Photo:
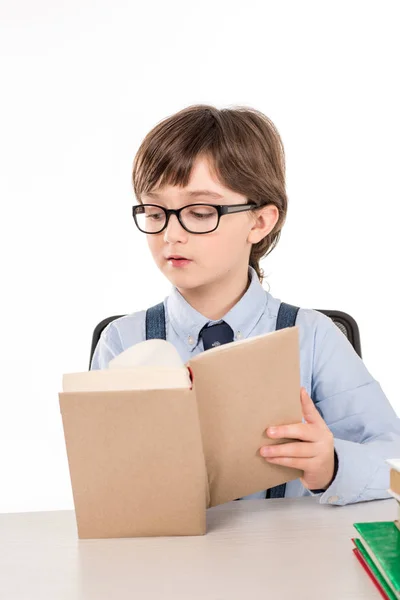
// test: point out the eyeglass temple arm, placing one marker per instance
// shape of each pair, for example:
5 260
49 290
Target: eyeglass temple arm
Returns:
234 209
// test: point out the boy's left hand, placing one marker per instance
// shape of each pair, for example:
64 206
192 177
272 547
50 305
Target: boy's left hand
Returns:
313 454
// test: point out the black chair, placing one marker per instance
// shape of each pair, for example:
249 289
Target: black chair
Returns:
345 322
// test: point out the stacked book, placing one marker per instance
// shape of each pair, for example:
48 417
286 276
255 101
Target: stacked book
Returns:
395 485
378 548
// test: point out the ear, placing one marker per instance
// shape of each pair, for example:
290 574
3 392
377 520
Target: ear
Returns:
265 220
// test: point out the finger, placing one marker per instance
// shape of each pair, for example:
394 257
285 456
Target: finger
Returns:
299 431
292 450
310 412
289 461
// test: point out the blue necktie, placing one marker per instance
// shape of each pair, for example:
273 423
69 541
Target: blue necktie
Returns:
216 335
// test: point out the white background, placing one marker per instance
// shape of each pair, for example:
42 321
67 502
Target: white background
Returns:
82 82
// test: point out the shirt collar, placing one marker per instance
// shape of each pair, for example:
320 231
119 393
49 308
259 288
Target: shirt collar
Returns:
242 317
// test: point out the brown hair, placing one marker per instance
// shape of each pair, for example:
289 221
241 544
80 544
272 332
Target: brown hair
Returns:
245 149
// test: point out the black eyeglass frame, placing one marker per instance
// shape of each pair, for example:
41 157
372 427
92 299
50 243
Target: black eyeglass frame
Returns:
221 210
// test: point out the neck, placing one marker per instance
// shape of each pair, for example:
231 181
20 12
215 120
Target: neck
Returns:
216 299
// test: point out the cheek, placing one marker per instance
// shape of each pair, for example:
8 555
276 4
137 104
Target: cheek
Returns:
156 250
229 244
155 245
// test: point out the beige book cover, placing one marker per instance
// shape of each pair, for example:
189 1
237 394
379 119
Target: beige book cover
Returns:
395 481
150 459
394 475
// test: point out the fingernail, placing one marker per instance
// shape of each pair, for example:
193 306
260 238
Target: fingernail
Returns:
272 431
264 451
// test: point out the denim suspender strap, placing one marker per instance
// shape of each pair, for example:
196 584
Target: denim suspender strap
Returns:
155 323
287 315
286 318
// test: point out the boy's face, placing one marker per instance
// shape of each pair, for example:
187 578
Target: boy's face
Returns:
212 257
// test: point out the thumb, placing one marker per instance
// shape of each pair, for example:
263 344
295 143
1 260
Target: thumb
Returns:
310 412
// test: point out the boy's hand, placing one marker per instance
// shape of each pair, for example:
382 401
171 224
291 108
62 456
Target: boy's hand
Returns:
313 454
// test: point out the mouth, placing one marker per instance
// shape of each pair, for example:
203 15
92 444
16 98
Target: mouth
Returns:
177 257
178 261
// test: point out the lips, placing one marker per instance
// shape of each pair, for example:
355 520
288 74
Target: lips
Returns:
176 257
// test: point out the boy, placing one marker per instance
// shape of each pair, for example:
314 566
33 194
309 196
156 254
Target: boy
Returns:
211 190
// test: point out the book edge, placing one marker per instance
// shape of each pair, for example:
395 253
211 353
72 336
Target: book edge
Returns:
372 571
377 562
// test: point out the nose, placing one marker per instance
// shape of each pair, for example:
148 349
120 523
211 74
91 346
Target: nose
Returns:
174 232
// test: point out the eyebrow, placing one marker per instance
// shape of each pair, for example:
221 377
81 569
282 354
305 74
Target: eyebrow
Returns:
192 194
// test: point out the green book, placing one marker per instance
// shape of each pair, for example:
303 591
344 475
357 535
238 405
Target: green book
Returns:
373 571
381 540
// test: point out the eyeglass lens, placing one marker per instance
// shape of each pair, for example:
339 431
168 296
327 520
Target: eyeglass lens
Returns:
198 218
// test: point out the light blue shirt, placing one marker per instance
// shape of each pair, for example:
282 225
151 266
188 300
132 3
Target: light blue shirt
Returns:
352 403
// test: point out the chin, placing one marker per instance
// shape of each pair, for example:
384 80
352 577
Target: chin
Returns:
180 277
182 280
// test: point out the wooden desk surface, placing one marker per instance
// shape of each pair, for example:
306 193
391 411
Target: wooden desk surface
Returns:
280 549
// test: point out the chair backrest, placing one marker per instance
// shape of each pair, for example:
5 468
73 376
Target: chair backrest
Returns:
345 322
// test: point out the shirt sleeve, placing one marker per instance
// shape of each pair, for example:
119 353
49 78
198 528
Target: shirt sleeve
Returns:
108 346
365 427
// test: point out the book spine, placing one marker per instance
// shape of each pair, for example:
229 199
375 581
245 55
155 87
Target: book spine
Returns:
395 481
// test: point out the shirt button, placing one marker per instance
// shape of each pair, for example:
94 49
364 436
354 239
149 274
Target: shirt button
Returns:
190 340
239 335
333 499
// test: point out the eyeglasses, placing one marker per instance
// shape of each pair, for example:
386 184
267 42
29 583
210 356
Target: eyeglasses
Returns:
194 218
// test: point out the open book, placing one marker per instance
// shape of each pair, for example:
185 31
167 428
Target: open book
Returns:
152 442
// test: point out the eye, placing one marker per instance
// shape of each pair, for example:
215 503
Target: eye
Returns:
201 215
152 213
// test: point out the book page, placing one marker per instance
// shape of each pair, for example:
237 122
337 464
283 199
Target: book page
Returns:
394 463
136 378
150 353
149 365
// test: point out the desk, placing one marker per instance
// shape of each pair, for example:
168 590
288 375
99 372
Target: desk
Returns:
254 549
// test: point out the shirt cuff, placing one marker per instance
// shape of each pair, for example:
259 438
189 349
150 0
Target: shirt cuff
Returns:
355 471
